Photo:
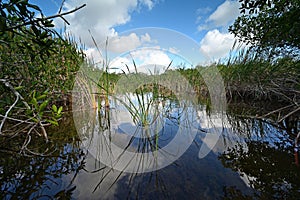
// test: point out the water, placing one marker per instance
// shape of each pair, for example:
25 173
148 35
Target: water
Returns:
242 157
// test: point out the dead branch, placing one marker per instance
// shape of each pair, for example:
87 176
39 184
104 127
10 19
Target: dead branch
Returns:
5 117
16 93
290 113
7 112
37 20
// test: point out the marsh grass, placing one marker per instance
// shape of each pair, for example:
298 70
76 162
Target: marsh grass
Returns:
250 75
254 80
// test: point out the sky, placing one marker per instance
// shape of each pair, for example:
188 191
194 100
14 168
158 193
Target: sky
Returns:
154 31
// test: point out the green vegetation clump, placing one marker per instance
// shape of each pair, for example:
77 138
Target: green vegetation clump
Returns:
271 27
258 79
28 70
38 67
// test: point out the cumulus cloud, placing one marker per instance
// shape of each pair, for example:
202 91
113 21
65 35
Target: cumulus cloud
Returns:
152 57
94 55
147 60
225 13
100 17
119 64
129 42
222 16
216 44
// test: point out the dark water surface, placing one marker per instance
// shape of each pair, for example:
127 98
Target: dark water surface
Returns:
252 159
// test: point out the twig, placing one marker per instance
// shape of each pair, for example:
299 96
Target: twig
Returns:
297 139
47 18
277 110
44 131
18 96
61 6
16 93
18 120
7 112
290 113
26 142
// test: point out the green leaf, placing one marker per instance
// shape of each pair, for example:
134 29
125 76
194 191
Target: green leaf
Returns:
19 87
34 102
33 94
54 108
34 119
43 96
52 122
59 110
43 105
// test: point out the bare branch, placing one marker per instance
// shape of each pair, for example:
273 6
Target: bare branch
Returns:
37 20
290 113
16 93
7 112
61 6
43 131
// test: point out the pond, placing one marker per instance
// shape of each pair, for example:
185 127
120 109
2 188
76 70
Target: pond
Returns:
141 147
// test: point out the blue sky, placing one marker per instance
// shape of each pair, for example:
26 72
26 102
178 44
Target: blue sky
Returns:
205 22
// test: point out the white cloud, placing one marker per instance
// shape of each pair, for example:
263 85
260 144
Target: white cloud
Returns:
149 3
203 27
225 14
216 44
202 11
119 64
129 42
93 55
124 43
100 17
152 57
146 38
147 60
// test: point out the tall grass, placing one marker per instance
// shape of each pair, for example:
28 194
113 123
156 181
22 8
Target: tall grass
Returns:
247 75
264 83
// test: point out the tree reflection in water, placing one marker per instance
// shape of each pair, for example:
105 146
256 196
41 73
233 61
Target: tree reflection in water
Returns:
39 176
41 173
268 162
256 162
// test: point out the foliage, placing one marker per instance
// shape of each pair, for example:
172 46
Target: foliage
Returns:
271 25
37 109
28 71
37 67
18 19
